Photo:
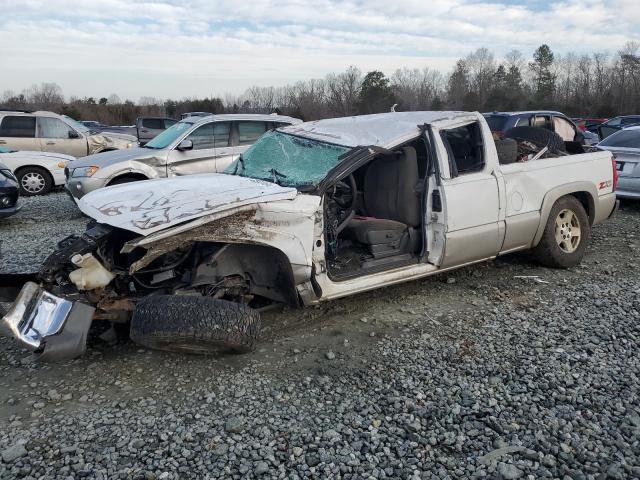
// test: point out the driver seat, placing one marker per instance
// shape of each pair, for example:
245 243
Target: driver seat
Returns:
392 201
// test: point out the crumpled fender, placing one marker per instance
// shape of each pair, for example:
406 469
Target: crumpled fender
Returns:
100 142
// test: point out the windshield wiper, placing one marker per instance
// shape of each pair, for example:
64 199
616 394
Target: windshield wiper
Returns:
276 175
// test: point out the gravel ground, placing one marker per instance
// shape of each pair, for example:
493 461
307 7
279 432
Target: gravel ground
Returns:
476 374
28 237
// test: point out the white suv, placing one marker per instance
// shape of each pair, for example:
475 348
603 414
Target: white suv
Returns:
50 132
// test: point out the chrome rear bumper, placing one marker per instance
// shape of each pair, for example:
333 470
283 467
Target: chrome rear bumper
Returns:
53 327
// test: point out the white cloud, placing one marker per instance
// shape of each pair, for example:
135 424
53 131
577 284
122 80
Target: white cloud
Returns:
201 47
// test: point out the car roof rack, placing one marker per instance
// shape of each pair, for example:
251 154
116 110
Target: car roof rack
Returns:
4 109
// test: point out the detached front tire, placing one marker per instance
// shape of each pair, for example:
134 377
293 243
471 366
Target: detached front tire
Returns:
190 324
566 234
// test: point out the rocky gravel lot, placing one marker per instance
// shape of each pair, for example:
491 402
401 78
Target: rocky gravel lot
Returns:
28 237
501 370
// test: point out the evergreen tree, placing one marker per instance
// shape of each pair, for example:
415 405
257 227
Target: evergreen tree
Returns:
544 79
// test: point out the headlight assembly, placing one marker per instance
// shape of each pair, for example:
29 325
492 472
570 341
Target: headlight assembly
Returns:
84 171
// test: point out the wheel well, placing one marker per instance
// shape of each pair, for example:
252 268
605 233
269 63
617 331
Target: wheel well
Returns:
134 176
588 203
267 268
44 170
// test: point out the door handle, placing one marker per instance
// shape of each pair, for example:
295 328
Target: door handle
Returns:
3 142
51 143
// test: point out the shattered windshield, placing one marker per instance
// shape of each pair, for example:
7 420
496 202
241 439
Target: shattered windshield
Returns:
288 160
166 138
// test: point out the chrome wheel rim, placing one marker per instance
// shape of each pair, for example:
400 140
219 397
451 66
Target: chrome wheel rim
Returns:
32 182
568 231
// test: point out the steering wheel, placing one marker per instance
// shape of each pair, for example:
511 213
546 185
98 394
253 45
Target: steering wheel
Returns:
345 194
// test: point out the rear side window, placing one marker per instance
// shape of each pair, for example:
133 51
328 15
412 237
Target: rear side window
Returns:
249 132
523 122
18 126
543 121
496 122
623 138
52 128
465 149
153 123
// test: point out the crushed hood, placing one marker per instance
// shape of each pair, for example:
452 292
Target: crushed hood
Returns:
152 205
103 141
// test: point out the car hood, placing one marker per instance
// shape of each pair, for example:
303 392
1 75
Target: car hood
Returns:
105 159
149 206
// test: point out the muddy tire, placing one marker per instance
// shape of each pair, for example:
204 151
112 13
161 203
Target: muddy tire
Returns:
541 137
507 149
566 234
190 324
34 181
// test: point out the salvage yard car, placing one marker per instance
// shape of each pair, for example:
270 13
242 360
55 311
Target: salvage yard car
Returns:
37 172
625 145
312 212
50 132
500 122
193 145
9 192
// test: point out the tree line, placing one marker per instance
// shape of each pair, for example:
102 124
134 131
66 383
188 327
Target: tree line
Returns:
592 85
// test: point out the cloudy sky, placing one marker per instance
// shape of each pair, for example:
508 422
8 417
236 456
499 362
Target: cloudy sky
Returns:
184 48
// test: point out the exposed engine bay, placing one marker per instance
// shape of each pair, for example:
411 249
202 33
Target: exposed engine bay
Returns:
100 268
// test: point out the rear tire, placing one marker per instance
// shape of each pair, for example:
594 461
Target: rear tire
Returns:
34 181
190 324
541 137
566 234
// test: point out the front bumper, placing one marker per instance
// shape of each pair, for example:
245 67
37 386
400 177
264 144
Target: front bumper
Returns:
52 327
629 188
7 212
78 187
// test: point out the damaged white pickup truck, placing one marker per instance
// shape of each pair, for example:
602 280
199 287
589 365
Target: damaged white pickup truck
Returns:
311 212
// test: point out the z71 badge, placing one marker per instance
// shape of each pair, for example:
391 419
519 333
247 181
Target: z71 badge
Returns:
606 184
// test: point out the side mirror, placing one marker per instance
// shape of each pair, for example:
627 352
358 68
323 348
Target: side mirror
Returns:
73 134
185 145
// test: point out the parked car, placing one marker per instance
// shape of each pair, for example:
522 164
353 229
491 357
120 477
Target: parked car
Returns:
37 172
144 129
312 212
625 145
193 145
92 124
616 124
9 192
50 132
589 124
194 114
500 122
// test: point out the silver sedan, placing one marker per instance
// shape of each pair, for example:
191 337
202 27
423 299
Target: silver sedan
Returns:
625 144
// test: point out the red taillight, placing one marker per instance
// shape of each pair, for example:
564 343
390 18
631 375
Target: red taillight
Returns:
582 127
615 172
